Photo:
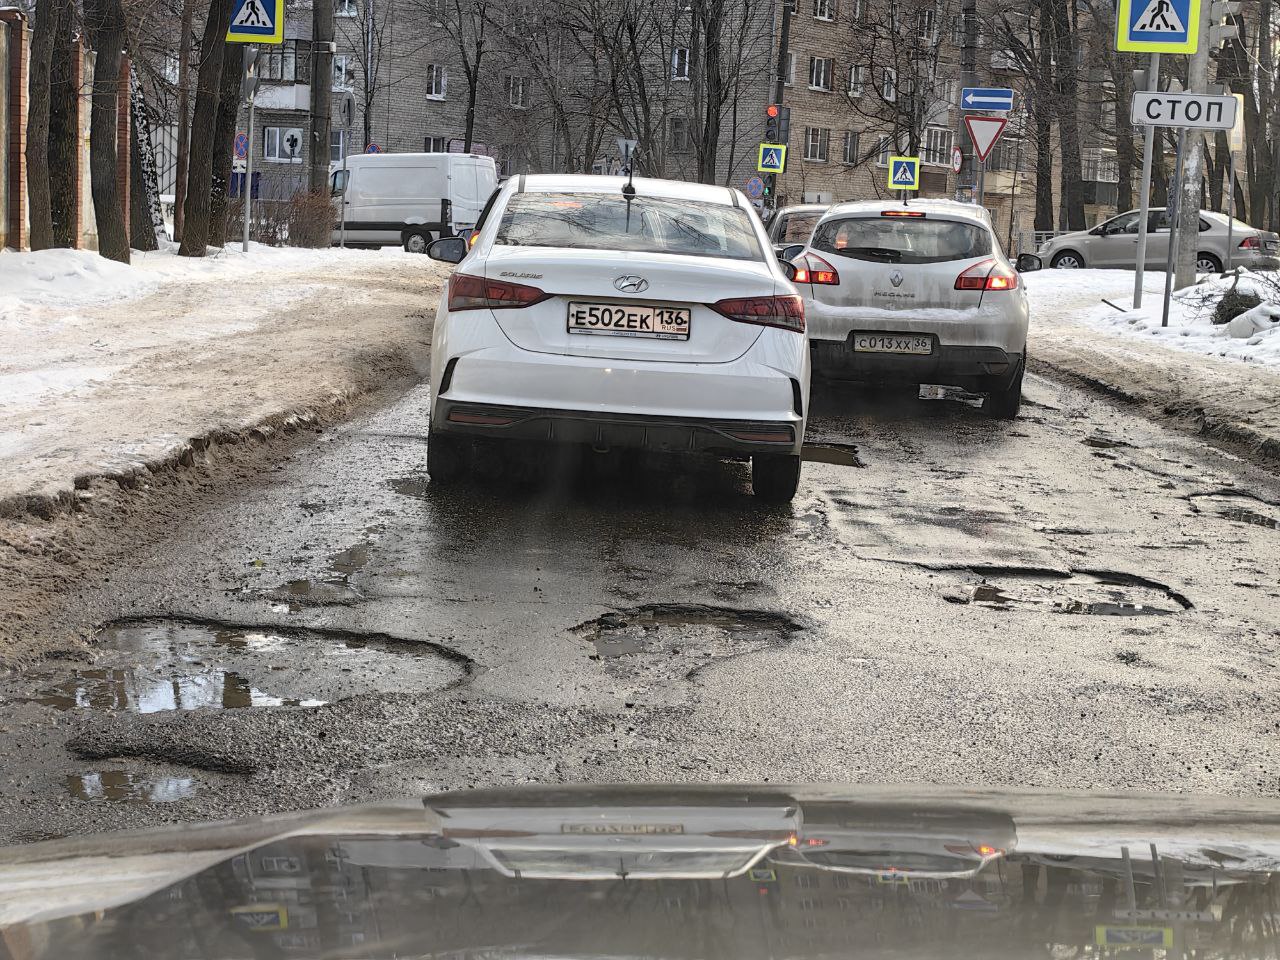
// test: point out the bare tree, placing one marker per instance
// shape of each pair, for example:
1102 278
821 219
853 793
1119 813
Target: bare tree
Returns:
321 93
64 129
105 22
195 233
39 204
183 116
465 23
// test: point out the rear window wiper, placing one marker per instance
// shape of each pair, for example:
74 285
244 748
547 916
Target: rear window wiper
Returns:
887 254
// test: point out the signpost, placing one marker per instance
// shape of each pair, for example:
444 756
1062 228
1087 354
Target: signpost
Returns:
957 159
772 158
1158 26
987 98
904 173
372 148
984 132
755 188
242 145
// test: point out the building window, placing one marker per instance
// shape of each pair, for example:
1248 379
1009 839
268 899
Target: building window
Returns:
927 25
282 144
820 73
857 80
681 142
817 140
790 78
437 81
936 148
823 9
907 88
435 10
346 8
518 92
344 72
680 63
280 62
882 153
895 16
889 85
855 11
851 146
806 880
337 145
435 145
1099 165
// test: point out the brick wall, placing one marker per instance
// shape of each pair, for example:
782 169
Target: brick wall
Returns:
4 133
13 31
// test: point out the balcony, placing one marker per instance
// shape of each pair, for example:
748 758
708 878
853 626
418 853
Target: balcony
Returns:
283 96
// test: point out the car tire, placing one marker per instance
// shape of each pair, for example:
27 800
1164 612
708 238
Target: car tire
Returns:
775 477
1208 263
417 241
1005 404
446 458
1067 260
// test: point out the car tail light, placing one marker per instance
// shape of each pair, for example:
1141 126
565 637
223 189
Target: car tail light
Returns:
1251 243
987 275
475 293
786 312
902 213
981 849
815 270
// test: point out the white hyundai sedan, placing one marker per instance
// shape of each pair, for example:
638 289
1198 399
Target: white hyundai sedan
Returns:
650 315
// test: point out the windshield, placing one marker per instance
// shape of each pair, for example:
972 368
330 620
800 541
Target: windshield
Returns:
592 221
902 239
797 227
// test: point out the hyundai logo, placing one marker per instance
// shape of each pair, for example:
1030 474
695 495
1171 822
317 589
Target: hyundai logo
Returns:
896 278
631 284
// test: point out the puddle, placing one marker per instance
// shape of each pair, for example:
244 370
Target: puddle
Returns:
159 666
124 787
1104 443
840 454
1089 594
331 590
1244 515
684 636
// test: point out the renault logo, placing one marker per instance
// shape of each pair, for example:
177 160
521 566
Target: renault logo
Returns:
896 278
631 284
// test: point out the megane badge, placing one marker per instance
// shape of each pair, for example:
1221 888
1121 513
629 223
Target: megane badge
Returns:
896 278
631 284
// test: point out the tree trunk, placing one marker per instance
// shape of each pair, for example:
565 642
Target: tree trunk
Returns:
1127 153
321 93
64 133
105 23
141 229
473 84
1066 103
713 95
184 119
1043 119
195 227
224 137
39 207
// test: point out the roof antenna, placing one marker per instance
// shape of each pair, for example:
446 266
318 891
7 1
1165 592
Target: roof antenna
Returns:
629 188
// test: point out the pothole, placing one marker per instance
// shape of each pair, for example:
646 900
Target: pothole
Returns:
1093 593
164 665
840 454
683 637
121 786
1104 443
1245 515
332 589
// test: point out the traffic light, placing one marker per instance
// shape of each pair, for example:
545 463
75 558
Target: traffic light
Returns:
768 186
772 123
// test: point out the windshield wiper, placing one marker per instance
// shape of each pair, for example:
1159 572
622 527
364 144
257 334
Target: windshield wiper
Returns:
887 254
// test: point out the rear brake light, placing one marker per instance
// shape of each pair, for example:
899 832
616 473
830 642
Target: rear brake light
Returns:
987 275
981 849
816 270
476 293
786 312
901 213
1250 243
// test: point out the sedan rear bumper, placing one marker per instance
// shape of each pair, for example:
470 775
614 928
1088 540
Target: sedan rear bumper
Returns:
615 431
980 369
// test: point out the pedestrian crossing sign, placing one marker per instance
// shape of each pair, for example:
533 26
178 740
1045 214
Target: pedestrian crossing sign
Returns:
256 21
1158 26
773 158
904 173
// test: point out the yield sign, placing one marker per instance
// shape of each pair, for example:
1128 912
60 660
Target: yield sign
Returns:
984 132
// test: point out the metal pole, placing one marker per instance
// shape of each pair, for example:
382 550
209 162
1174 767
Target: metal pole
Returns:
246 190
1231 203
1144 194
1172 212
982 183
342 198
1013 192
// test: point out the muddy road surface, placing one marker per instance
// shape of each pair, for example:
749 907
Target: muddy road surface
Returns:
1079 598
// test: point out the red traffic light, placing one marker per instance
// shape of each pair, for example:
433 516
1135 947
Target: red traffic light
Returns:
772 111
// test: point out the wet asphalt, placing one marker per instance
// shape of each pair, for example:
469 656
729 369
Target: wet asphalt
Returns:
1080 599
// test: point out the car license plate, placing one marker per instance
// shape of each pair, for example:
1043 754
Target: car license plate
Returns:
892 343
630 320
1272 245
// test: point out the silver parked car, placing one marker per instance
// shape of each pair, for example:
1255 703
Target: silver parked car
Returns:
915 294
794 224
1114 243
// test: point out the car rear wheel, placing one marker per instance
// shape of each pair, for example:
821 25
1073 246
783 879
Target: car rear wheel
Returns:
1005 404
1067 260
775 478
446 458
1208 263
417 241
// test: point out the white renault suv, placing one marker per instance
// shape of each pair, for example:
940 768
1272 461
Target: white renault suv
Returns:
647 315
917 293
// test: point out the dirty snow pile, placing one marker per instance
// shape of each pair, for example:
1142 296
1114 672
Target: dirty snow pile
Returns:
1251 337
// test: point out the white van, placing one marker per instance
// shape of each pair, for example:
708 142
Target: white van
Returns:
409 198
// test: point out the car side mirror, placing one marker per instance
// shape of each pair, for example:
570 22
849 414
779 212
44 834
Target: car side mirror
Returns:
788 268
448 249
1098 232
1028 263
791 251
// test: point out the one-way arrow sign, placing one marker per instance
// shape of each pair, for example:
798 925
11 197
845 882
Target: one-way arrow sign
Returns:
986 98
984 132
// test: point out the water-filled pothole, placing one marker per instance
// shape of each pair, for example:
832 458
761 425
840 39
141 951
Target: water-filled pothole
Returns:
122 786
155 666
840 454
1102 594
334 588
683 637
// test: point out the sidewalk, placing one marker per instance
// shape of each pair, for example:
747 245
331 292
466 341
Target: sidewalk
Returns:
110 370
1074 334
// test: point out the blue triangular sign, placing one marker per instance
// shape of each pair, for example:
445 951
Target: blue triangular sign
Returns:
904 174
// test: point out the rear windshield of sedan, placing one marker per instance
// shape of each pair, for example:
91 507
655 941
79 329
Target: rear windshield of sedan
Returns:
596 221
902 239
